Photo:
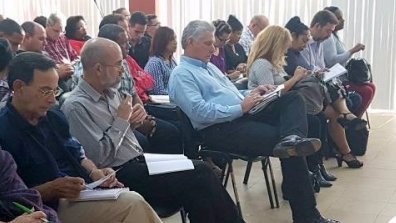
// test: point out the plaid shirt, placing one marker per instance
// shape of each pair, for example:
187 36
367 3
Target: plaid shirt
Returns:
60 50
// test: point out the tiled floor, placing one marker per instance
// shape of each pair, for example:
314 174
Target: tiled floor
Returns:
366 195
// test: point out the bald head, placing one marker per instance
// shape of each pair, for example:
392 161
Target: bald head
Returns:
34 37
258 23
97 50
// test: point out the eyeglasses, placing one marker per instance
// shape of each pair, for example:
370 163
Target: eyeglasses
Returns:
49 92
118 66
155 24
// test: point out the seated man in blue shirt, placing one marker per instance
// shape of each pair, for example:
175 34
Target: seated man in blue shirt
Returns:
48 158
219 111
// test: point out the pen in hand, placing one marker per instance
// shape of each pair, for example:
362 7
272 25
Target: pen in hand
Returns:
28 211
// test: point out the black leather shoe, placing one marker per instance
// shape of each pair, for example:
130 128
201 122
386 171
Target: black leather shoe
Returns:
326 175
319 178
317 220
296 146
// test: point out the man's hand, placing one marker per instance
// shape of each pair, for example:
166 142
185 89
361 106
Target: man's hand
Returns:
112 181
65 70
64 187
250 101
234 75
124 110
242 67
34 217
138 115
263 89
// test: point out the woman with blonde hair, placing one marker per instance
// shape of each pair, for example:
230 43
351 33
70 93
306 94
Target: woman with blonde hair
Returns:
265 66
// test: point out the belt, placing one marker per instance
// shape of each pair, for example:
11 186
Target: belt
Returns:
138 159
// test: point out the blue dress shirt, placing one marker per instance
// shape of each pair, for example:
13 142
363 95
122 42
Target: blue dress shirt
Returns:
204 93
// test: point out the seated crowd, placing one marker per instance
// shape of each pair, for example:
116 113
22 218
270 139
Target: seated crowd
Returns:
105 121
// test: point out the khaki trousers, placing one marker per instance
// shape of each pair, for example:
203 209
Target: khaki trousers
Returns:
130 207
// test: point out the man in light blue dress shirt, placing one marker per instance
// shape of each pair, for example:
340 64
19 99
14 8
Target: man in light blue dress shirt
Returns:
220 113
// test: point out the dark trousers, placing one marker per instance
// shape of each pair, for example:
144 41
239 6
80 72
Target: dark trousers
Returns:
315 131
199 191
257 135
166 139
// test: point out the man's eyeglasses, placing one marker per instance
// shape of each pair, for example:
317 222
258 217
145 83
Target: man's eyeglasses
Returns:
49 92
155 24
118 66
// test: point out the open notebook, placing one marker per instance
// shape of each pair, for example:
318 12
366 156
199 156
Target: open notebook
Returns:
167 163
335 71
100 194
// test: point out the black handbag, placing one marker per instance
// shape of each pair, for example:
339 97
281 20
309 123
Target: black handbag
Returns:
357 140
359 71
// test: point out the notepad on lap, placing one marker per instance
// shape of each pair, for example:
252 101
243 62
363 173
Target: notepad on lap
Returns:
335 71
100 194
267 99
167 163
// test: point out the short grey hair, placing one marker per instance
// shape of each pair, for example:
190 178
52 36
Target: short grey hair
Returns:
53 19
194 30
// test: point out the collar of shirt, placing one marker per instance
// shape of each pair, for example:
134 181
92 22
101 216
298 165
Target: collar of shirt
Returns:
192 61
91 92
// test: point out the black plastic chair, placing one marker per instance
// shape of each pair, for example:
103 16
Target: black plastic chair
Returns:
207 152
165 212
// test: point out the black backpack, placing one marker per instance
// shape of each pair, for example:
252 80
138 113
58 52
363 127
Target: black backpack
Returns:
359 71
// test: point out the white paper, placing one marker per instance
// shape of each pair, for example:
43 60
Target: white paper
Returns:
335 71
160 99
97 183
167 163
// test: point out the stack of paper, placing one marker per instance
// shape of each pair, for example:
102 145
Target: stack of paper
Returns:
267 99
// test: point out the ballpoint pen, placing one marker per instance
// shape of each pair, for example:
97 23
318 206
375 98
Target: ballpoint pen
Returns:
28 211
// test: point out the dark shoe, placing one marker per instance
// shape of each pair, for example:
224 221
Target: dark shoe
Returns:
314 182
317 220
351 163
326 175
296 146
355 123
321 181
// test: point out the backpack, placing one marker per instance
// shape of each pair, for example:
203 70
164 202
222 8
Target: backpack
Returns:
359 71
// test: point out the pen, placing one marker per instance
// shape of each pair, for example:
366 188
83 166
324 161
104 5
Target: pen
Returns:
27 210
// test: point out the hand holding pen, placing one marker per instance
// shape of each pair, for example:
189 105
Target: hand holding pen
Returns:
31 216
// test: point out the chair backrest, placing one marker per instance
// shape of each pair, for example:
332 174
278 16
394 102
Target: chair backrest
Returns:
192 138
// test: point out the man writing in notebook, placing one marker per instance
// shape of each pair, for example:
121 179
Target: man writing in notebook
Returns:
221 113
48 158
103 121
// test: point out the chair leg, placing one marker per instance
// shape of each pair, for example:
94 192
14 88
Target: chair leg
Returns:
247 172
183 215
273 182
231 171
368 120
269 191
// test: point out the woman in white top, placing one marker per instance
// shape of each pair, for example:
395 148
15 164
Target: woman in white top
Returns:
265 66
335 52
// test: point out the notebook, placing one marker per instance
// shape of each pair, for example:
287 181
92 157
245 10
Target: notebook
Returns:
167 163
100 194
335 71
160 99
267 99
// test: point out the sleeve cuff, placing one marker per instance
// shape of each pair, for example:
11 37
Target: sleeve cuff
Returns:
236 111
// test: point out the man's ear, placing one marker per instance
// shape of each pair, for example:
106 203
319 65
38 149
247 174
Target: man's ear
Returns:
17 86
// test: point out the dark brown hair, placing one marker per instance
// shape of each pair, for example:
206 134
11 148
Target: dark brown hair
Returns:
161 38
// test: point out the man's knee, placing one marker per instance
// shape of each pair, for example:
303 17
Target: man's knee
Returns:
130 198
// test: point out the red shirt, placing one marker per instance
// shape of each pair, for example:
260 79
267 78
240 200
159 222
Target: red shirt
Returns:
76 45
144 82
